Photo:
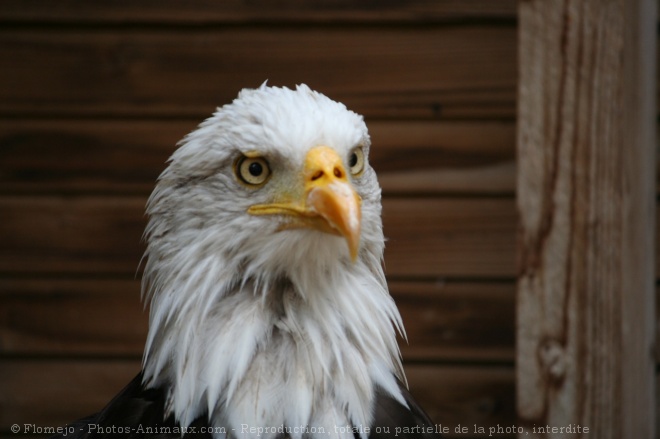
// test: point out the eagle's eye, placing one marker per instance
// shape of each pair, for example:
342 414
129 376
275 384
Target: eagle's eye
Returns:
356 161
252 170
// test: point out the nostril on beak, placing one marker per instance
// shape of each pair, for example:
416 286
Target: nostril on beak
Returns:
338 173
318 174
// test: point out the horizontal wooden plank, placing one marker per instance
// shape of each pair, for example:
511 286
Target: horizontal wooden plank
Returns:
126 157
386 72
74 156
54 393
103 317
71 235
444 157
457 321
98 317
236 11
461 237
428 237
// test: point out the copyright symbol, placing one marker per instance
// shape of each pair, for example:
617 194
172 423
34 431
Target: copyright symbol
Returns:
15 428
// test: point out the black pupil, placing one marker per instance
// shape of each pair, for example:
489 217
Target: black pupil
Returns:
353 160
255 169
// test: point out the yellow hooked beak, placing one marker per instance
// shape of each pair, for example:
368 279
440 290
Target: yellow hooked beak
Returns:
327 201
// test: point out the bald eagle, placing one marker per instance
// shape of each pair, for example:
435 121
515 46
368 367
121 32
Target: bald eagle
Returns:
270 315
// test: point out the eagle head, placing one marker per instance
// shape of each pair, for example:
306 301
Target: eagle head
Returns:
264 245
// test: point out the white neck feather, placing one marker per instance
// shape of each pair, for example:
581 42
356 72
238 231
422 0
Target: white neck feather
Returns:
304 347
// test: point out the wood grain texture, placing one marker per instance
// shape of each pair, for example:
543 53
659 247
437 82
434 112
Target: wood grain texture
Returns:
206 12
461 237
52 393
457 321
410 72
586 141
72 317
126 156
71 235
428 237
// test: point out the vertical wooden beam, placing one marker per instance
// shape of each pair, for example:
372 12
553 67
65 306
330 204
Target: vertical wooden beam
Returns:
586 200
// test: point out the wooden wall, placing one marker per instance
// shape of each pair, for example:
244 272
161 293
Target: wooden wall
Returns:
93 98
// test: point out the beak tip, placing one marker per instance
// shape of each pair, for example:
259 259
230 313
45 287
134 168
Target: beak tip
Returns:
353 241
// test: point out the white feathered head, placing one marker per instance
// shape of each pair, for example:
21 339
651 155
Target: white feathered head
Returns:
265 245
